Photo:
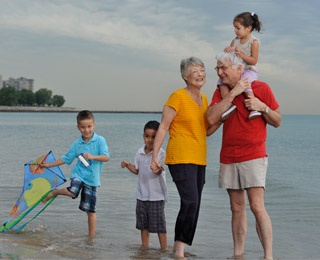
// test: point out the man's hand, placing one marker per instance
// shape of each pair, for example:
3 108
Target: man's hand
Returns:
241 85
254 104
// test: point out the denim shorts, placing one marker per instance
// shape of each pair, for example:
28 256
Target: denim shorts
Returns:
88 194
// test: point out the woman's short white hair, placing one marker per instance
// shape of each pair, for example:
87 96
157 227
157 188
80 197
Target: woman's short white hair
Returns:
231 57
185 63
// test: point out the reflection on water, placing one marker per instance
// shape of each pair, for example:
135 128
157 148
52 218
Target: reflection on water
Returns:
143 253
8 256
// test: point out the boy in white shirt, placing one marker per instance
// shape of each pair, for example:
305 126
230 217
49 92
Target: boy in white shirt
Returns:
151 189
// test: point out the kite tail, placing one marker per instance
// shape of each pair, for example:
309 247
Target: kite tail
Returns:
11 225
23 226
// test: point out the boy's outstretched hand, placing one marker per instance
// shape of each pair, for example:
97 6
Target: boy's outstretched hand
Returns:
124 164
44 165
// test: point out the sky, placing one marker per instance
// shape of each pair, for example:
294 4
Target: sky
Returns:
124 55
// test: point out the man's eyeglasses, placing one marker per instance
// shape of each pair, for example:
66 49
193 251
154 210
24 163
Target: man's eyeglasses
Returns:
223 68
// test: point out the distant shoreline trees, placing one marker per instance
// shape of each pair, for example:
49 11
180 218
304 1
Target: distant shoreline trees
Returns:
9 96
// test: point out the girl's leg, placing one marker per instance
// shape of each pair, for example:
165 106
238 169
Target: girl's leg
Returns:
224 90
249 94
251 75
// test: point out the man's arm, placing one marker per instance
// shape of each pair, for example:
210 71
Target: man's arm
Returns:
272 117
214 112
212 128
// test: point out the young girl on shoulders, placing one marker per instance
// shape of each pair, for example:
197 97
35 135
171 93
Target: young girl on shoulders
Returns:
246 46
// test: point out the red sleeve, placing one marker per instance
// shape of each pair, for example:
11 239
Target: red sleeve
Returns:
264 92
216 97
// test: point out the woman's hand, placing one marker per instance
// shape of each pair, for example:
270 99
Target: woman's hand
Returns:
155 165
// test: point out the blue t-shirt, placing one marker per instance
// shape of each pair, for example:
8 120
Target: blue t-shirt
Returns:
96 146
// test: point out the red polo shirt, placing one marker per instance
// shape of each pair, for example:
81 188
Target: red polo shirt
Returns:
244 139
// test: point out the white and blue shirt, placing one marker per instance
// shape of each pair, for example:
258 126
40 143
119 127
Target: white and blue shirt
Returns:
151 187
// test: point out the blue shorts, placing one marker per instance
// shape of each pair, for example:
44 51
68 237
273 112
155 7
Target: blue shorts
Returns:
88 194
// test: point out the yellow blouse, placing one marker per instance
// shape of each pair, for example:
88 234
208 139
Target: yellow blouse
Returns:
187 141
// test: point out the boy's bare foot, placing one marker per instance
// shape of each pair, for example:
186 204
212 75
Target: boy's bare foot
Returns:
50 196
90 241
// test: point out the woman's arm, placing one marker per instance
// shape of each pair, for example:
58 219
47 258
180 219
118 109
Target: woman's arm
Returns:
168 114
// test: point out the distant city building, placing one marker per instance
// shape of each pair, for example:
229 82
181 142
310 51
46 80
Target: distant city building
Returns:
19 83
1 83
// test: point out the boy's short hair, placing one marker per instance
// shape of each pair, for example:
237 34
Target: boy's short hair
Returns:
84 114
151 125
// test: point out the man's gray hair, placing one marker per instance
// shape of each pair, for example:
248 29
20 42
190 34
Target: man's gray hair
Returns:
185 63
232 57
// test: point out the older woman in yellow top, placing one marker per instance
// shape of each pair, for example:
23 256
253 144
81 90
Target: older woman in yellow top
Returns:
184 116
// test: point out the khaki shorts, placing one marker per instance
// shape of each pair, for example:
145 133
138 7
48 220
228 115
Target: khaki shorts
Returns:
243 175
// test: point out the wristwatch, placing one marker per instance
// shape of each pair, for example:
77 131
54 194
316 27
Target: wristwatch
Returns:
266 110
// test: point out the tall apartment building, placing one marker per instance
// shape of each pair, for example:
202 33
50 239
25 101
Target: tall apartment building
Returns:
19 83
1 83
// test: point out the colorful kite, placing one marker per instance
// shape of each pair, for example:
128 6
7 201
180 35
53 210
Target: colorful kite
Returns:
38 182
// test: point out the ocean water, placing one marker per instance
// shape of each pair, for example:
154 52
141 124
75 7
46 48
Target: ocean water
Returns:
60 232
